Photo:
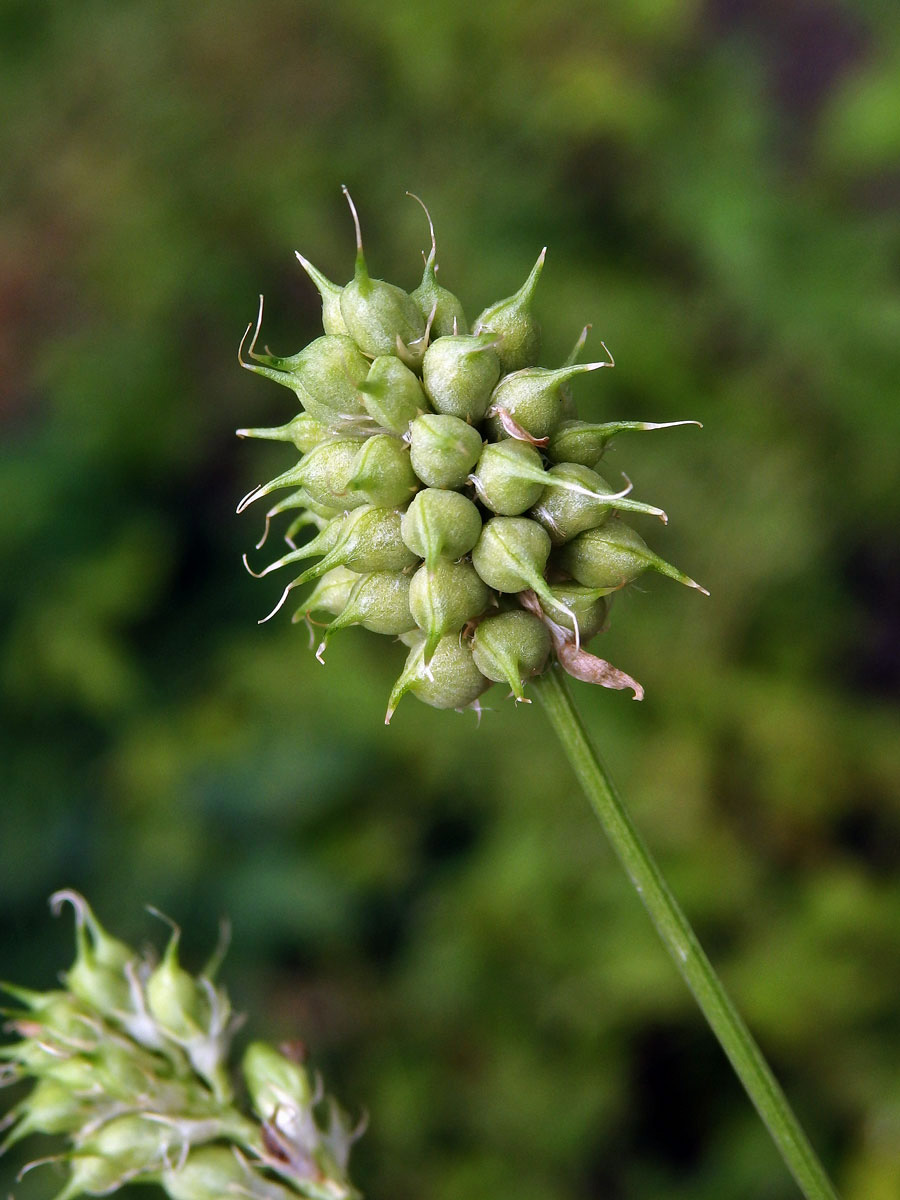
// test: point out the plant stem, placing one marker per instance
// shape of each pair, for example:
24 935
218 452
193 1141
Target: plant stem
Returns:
681 942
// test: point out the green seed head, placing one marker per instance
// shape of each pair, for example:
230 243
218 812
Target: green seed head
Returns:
381 318
162 1113
440 523
613 555
443 597
392 395
433 301
480 523
443 450
511 320
511 646
459 374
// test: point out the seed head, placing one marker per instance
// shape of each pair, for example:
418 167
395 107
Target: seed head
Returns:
140 1092
449 487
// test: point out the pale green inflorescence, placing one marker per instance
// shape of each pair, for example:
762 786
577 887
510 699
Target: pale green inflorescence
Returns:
445 481
129 1063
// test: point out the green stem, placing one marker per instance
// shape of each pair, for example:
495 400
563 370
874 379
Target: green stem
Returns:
681 942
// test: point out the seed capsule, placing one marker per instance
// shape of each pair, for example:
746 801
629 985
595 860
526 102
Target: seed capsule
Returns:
449 680
323 473
434 301
91 1175
304 432
274 1081
332 318
532 398
382 472
443 450
50 1107
440 523
585 443
325 377
588 608
311 513
330 594
511 552
380 602
511 555
511 646
211 1172
565 513
511 320
459 374
194 1014
392 395
366 539
614 555
509 477
442 598
99 974
176 1002
381 318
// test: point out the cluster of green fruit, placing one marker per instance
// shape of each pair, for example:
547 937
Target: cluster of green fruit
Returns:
129 1065
451 487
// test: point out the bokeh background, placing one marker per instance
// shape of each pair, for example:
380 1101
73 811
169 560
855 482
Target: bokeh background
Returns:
431 906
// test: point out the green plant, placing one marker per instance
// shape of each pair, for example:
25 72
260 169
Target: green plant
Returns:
493 437
450 475
454 501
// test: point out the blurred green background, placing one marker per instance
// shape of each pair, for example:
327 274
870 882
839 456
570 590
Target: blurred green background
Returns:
431 905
